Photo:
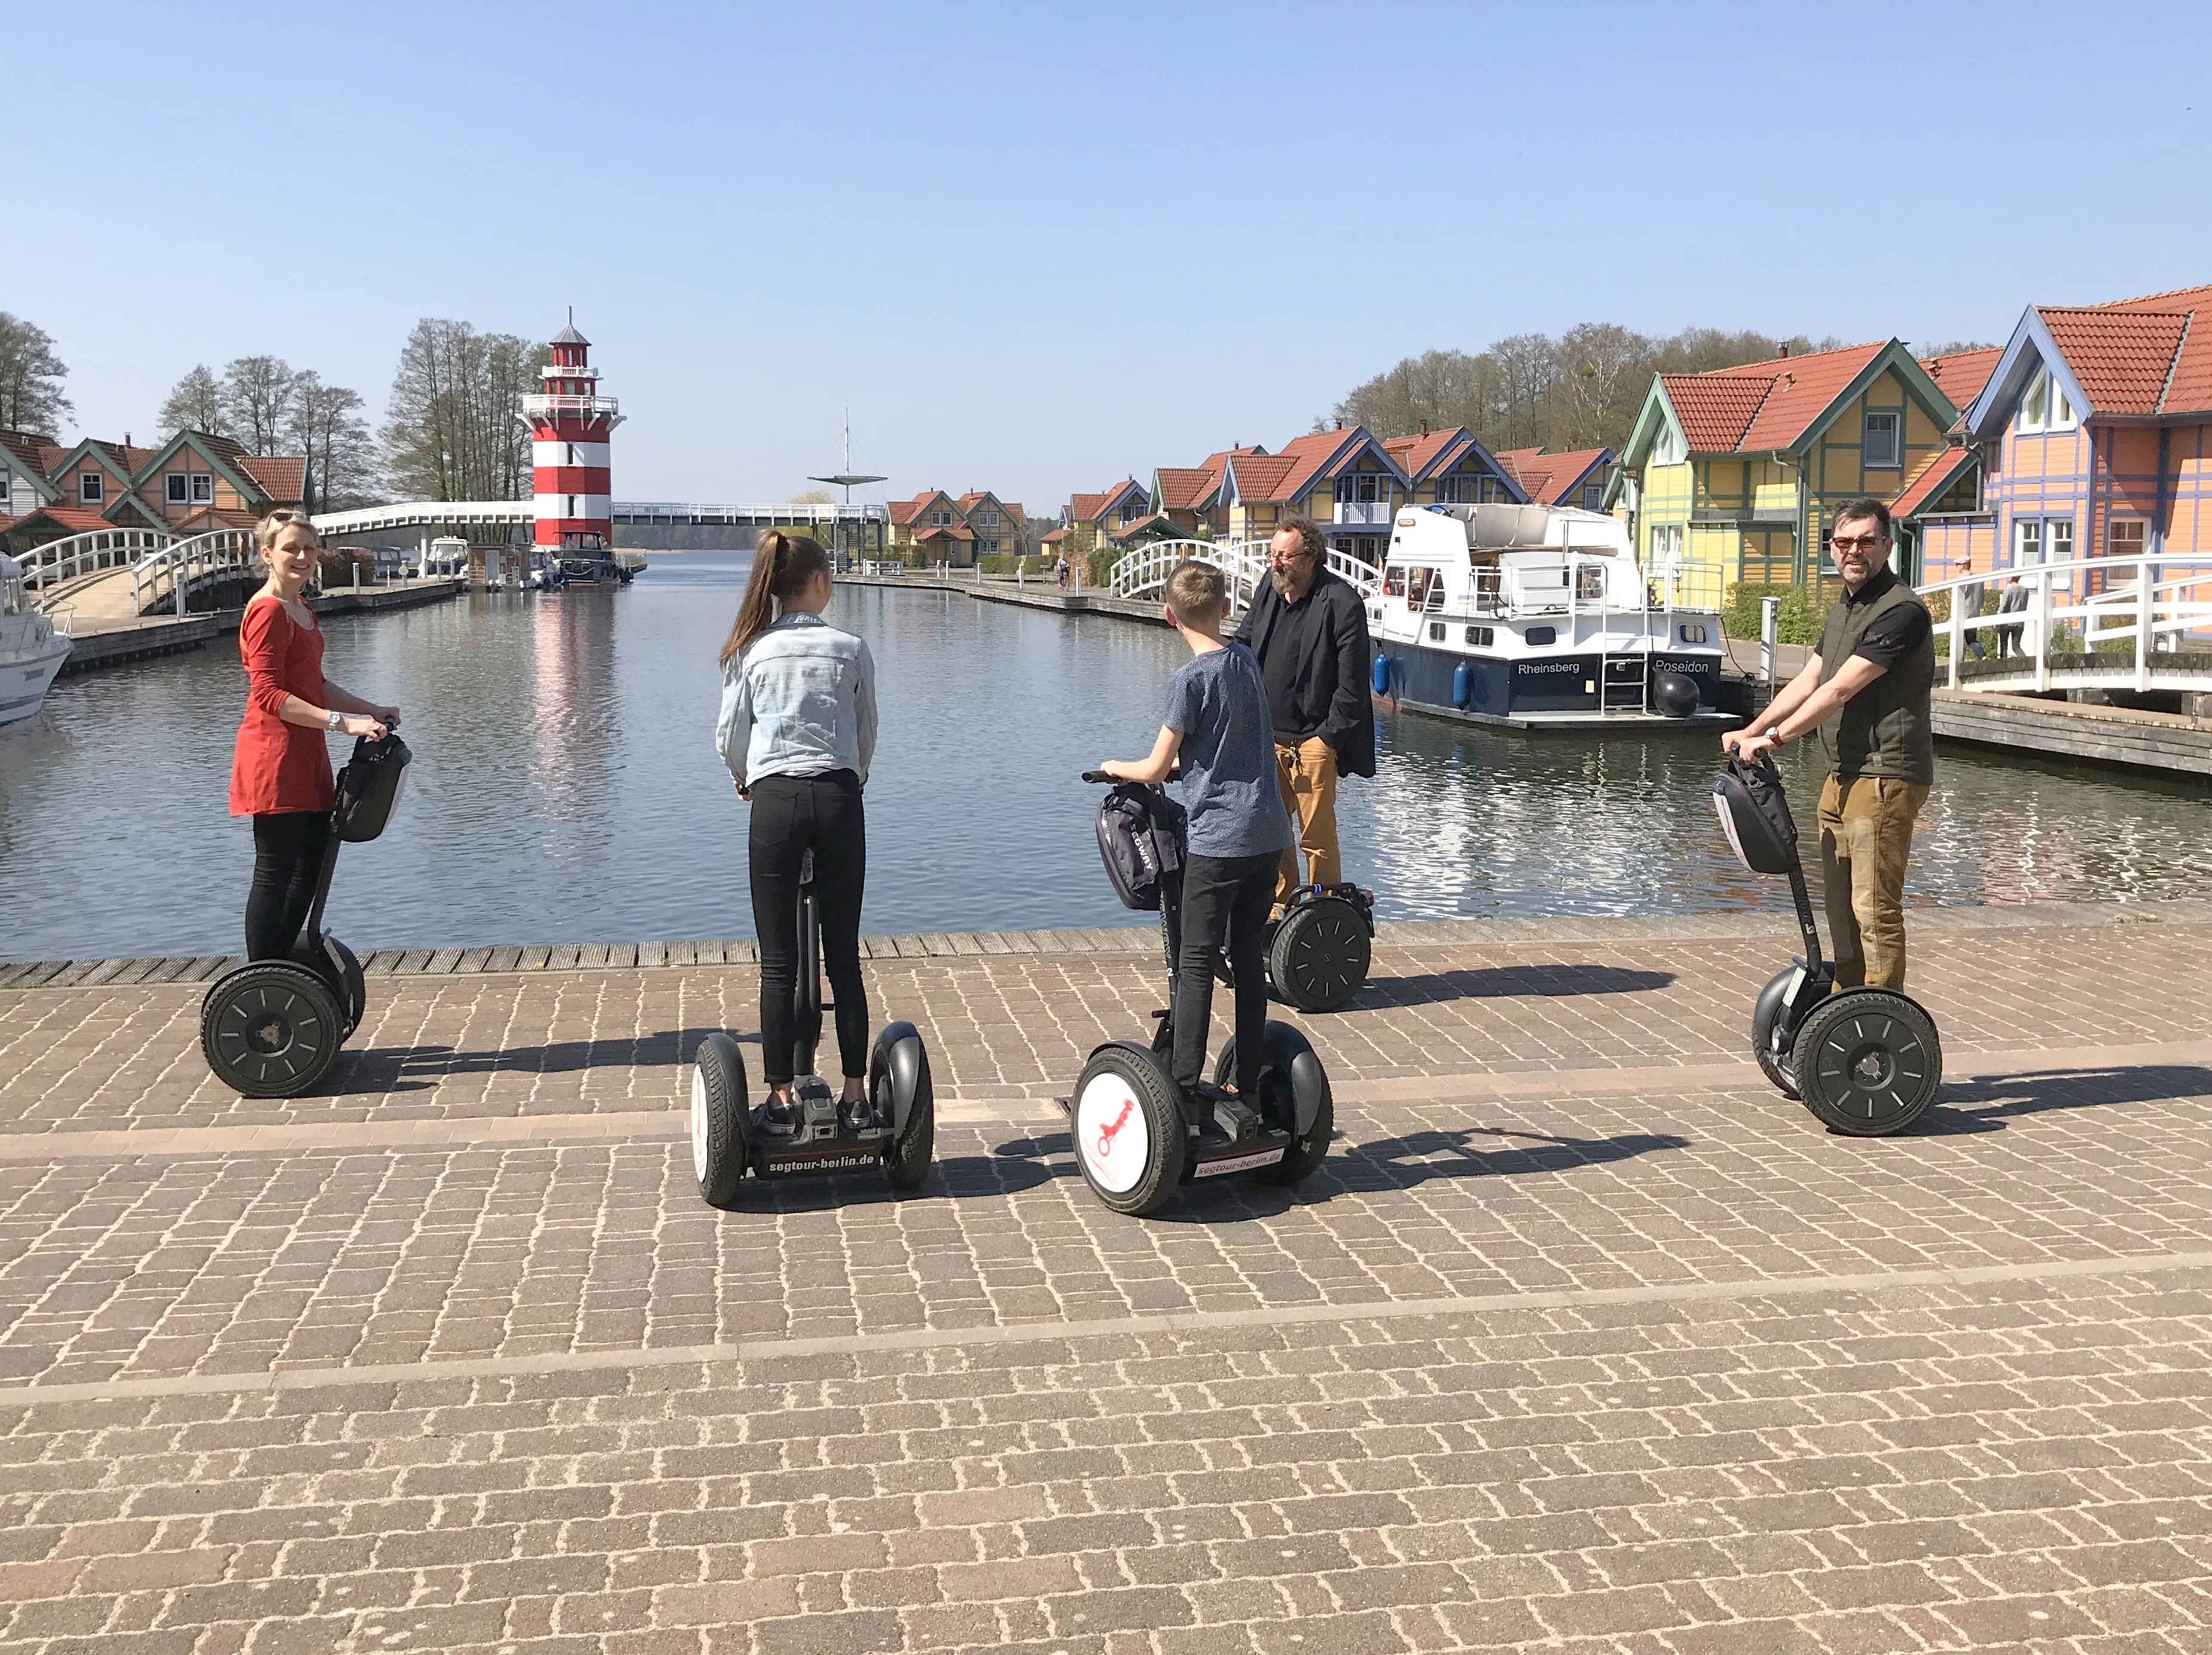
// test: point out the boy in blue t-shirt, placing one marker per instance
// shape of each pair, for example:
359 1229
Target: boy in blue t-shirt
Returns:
1218 722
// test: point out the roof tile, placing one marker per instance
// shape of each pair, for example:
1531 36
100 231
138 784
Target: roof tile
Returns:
2120 358
1941 470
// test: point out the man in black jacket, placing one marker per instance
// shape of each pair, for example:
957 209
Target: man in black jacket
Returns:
1309 628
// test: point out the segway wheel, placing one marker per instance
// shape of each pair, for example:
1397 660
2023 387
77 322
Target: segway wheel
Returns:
718 1120
1868 1061
1319 958
1290 1073
271 1030
1777 1067
1130 1138
899 1064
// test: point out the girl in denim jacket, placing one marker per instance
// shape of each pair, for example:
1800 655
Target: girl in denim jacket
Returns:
797 730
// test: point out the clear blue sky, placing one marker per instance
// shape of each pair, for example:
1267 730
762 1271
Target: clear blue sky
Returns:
1039 246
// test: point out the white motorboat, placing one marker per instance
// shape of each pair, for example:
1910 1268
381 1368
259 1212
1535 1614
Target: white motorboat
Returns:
1537 617
30 651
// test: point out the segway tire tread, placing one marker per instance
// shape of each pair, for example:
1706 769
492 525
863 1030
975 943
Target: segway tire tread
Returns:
718 1121
271 1029
1777 1067
906 1160
1868 1061
1152 1098
1319 956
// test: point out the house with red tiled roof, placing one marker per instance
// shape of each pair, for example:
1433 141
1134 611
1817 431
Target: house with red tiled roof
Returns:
2093 435
1093 519
195 482
1190 496
24 486
1940 525
192 484
946 529
1452 468
1344 481
1577 478
1731 475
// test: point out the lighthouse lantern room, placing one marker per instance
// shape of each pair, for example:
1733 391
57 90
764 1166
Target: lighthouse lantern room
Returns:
569 425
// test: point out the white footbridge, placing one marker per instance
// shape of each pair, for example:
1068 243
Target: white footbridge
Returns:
2148 625
1144 573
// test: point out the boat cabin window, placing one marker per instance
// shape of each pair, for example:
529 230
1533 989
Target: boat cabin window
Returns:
1417 582
1692 634
1394 583
1589 583
1436 631
1481 636
1539 636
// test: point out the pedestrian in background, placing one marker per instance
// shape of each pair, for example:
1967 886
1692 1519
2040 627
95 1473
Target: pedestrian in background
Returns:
2014 601
1967 602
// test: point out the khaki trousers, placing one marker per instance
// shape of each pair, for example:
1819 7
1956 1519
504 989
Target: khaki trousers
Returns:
1307 775
1866 835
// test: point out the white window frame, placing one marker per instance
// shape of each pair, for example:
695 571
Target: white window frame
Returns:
1896 446
202 488
177 488
2056 529
2026 539
91 489
2057 413
1668 448
989 519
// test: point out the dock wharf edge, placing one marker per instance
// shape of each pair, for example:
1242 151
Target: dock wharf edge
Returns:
169 634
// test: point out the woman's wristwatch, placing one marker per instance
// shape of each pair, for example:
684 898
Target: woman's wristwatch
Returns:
335 719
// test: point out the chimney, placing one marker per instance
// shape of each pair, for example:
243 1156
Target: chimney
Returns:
1424 427
126 439
1784 350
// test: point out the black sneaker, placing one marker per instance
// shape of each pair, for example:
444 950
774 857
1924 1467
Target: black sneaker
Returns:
783 1117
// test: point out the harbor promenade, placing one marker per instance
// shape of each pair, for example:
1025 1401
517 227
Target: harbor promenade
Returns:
1584 1340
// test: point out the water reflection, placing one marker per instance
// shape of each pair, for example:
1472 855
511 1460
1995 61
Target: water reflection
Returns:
567 789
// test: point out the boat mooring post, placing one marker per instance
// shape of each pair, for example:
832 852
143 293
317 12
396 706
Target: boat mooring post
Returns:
1770 617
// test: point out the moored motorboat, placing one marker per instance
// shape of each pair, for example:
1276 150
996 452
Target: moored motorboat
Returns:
30 651
1537 617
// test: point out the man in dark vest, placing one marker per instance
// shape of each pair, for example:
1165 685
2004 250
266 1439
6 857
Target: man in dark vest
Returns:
1867 692
1309 628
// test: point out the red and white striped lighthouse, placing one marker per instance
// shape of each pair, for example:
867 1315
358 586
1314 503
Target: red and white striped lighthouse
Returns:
569 425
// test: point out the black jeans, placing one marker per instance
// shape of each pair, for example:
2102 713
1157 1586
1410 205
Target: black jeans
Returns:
793 815
1224 899
288 859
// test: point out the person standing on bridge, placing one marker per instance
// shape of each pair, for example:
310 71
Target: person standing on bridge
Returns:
797 732
1867 690
1309 630
280 766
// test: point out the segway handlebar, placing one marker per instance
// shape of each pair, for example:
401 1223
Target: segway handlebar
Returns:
1175 774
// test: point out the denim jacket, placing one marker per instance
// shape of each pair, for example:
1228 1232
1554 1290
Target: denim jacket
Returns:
800 700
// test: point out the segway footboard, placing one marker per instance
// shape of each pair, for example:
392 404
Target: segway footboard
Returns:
1293 1101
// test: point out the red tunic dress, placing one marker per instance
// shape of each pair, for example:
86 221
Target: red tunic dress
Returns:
277 766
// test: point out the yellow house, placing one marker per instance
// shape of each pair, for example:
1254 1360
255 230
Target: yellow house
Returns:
1731 475
1344 481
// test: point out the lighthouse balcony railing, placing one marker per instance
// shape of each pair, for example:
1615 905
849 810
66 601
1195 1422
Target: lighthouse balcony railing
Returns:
538 406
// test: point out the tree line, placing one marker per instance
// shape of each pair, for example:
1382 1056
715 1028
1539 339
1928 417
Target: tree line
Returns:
451 428
1580 390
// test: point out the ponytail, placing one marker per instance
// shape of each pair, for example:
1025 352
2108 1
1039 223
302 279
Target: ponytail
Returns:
782 566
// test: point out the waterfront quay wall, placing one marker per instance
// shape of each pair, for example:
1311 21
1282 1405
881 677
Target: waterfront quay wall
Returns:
114 644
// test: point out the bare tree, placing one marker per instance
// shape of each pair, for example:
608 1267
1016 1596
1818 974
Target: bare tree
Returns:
452 428
1529 365
327 427
195 403
1604 370
1952 347
30 377
258 394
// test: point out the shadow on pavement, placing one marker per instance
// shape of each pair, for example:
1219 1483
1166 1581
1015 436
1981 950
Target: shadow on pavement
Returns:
1504 982
1986 1104
412 1068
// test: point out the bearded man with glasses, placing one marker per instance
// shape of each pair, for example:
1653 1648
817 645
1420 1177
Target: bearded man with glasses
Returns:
1867 692
1308 629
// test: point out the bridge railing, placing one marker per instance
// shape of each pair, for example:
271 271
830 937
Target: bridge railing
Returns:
1140 572
79 555
2142 609
169 573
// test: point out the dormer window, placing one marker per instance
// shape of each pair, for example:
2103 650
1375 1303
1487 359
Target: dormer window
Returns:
940 519
1667 449
2044 406
1882 445
91 489
176 485
989 519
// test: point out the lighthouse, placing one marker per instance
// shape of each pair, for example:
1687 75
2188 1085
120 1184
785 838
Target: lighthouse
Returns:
569 425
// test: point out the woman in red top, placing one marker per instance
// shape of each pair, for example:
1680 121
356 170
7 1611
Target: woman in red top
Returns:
279 772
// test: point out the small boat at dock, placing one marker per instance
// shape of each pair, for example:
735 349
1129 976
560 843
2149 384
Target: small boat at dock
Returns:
30 651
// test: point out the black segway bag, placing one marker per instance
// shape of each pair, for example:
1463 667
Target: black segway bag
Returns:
1755 815
1140 841
369 788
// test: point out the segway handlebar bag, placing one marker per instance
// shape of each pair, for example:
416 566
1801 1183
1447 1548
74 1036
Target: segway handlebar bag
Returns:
369 788
1140 841
1754 813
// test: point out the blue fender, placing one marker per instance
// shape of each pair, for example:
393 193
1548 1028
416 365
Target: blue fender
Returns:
1382 673
1462 684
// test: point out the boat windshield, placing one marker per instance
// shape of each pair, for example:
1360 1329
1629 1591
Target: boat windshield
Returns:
11 586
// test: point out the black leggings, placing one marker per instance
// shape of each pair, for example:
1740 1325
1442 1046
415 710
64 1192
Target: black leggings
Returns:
288 859
792 815
1225 901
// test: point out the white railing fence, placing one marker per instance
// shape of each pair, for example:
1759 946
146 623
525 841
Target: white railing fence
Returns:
1141 573
2144 610
58 562
167 575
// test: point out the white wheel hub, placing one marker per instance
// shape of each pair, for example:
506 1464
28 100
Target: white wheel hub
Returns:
1111 1134
699 1122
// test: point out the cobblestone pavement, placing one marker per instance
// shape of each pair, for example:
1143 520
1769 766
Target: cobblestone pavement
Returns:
1582 1340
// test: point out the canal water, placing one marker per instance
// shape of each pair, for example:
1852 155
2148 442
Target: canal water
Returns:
566 789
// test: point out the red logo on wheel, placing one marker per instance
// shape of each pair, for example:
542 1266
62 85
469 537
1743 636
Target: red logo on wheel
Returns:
1107 1134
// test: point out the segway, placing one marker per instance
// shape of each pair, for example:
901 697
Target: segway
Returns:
1138 1134
1319 951
1865 1060
272 1028
895 1129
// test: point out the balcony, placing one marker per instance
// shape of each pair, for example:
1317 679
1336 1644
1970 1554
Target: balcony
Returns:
1364 514
544 406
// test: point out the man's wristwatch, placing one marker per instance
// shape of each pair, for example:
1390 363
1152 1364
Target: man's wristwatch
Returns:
1774 733
335 719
